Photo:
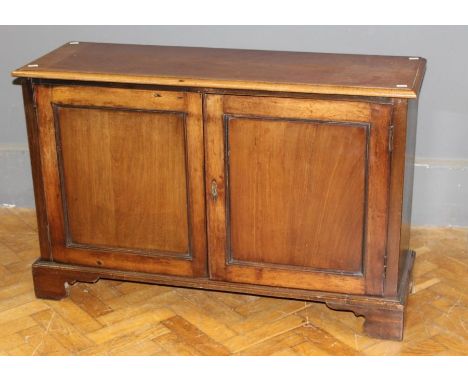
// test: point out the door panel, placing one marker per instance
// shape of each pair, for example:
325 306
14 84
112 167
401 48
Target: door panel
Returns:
129 167
292 181
113 192
296 193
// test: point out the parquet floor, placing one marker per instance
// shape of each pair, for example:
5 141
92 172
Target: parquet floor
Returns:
121 318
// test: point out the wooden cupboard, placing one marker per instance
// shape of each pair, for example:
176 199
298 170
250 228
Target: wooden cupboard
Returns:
273 173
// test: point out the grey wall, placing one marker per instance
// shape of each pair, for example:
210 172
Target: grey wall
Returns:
441 173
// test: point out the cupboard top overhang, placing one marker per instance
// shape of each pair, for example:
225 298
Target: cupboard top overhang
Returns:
321 73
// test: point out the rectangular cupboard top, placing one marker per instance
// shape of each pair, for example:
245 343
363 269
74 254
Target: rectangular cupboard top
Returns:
324 73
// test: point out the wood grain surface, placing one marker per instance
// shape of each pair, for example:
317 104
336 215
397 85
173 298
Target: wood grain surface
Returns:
297 193
117 163
386 76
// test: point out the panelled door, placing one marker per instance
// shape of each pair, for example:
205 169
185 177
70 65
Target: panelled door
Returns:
297 192
128 164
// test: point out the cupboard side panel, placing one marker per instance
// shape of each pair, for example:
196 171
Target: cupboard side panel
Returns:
408 182
399 120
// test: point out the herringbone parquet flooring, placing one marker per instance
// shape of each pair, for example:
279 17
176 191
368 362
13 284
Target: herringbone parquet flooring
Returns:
121 318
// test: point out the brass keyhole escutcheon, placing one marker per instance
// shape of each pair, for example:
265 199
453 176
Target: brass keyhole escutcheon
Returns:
214 190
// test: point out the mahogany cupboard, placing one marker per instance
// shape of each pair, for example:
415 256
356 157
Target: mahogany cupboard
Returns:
273 173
